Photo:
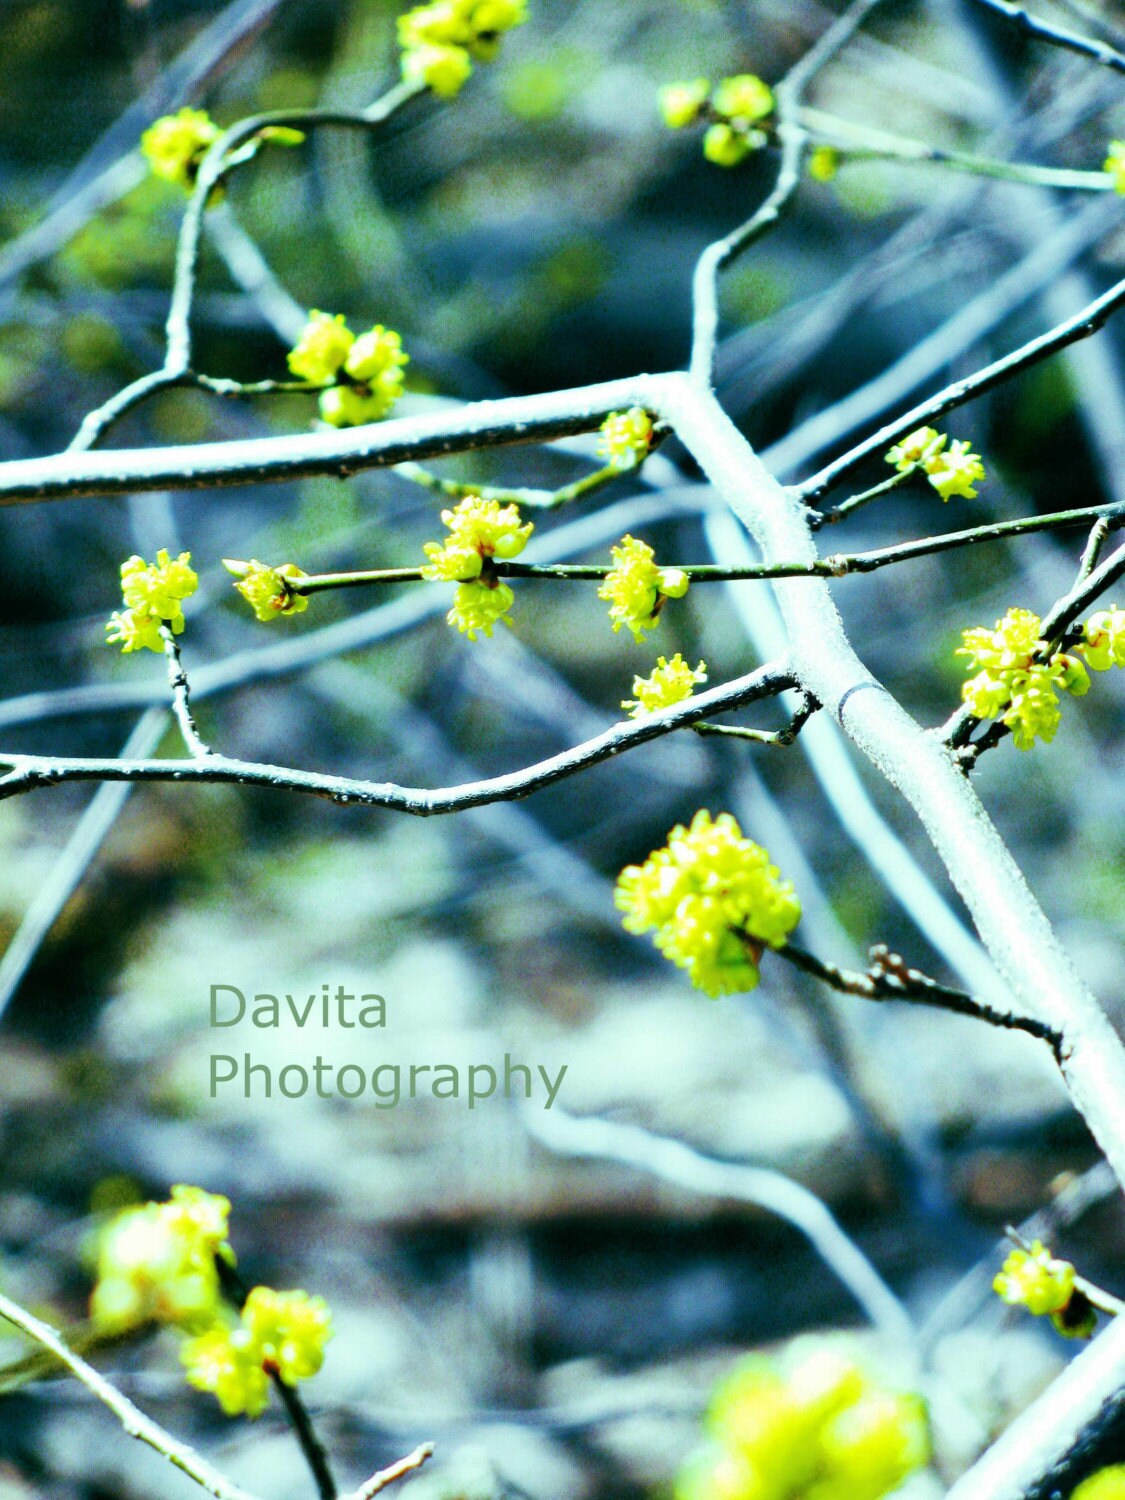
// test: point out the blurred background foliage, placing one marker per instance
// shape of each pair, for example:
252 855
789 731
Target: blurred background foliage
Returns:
555 1325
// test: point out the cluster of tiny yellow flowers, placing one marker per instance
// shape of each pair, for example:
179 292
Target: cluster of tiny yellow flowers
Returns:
1103 643
154 595
815 1427
1035 1279
715 902
1015 682
635 588
671 682
277 1333
479 531
264 589
824 163
175 145
734 108
441 41
366 371
159 1263
1106 1484
952 470
626 437
1115 165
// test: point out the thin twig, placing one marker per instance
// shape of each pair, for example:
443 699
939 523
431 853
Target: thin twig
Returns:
889 978
31 772
388 1476
862 142
181 696
134 1421
1058 36
1081 326
845 509
307 1437
1084 593
835 565
1099 535
782 738
793 137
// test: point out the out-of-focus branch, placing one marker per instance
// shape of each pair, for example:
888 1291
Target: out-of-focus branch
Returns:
134 1421
1058 36
1049 1447
401 1470
673 1161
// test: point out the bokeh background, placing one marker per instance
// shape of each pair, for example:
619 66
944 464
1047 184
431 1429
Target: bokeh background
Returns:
553 1323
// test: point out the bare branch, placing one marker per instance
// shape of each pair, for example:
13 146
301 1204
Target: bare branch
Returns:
793 137
889 978
1058 36
485 424
673 1161
134 1421
32 771
181 696
385 1477
1081 326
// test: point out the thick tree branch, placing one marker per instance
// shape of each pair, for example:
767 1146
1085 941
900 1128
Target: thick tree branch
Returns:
1017 934
485 424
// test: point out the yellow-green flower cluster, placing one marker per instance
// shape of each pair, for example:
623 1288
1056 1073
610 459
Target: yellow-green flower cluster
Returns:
952 470
635 588
153 595
264 589
278 1333
817 1427
824 163
175 145
735 109
1014 682
626 437
1103 643
1035 1279
366 371
157 1262
671 682
441 41
160 1263
479 531
1115 165
715 902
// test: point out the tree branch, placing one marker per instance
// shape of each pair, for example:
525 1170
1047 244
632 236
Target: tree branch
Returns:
889 978
1081 326
31 771
134 1421
1058 36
